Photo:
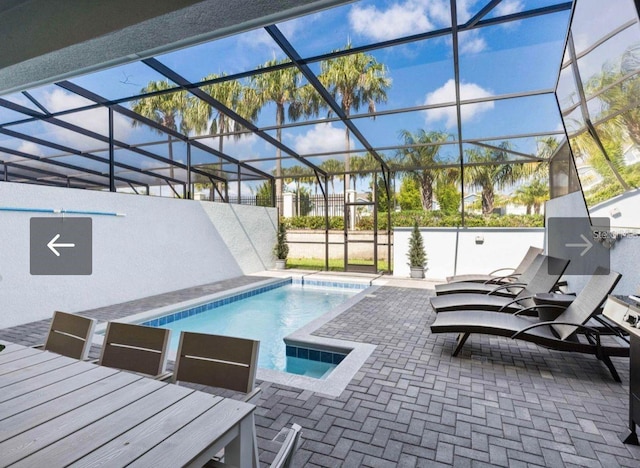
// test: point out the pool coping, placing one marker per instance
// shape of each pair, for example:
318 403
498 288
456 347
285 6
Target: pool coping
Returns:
332 386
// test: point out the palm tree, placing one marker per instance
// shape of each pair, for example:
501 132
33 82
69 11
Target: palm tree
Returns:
487 171
355 80
421 151
533 195
283 88
298 175
332 167
166 109
205 119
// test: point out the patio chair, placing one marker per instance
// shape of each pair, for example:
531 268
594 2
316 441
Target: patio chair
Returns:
568 332
69 335
136 348
218 361
490 286
290 440
543 281
500 278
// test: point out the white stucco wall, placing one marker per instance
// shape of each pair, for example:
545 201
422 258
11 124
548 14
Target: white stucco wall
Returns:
455 251
161 245
625 254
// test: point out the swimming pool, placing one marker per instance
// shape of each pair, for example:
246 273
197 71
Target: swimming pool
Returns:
267 314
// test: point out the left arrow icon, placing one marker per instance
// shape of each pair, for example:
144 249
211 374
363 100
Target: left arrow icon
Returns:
52 245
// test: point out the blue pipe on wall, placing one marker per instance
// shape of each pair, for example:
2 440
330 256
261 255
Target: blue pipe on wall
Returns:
60 211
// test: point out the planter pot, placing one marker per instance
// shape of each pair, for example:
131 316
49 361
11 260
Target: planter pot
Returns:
417 272
281 264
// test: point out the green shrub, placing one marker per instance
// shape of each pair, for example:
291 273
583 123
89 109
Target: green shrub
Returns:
424 218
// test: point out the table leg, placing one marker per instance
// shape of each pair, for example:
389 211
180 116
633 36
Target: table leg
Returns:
243 450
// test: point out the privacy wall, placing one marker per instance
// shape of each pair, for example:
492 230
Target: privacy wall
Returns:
160 245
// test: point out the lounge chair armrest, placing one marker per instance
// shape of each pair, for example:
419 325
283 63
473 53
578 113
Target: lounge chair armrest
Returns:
555 322
253 395
613 329
507 286
501 279
502 269
541 306
38 346
515 301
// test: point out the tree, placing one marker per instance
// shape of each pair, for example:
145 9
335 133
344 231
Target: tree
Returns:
381 193
355 80
421 151
533 195
202 118
416 254
298 175
409 195
488 170
263 194
332 167
166 109
448 197
283 89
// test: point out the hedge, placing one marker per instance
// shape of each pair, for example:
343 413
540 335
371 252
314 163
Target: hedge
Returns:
424 218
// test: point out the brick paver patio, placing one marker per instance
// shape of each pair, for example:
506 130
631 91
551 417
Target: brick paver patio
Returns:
500 403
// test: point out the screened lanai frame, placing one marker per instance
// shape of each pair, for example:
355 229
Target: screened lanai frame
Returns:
112 172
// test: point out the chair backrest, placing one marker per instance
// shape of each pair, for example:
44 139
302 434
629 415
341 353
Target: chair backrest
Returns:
217 361
548 274
529 257
135 348
588 301
70 335
290 438
528 274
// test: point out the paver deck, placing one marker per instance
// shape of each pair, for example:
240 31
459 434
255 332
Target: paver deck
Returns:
500 403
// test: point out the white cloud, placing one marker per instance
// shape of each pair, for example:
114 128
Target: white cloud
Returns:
321 138
447 93
95 120
240 147
399 19
470 42
30 148
509 7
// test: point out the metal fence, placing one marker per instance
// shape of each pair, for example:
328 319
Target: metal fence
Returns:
305 205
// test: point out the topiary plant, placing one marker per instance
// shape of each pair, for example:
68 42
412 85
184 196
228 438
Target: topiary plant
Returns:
416 254
281 249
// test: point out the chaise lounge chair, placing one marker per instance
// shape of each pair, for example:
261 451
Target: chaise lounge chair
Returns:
501 289
543 281
502 278
567 333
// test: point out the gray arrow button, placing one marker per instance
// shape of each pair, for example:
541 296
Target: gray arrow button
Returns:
61 246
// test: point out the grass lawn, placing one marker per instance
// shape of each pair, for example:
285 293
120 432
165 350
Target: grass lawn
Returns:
335 264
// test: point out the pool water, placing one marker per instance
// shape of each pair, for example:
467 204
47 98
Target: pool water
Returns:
268 317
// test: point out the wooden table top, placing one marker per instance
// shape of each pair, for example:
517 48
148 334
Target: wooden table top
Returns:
58 411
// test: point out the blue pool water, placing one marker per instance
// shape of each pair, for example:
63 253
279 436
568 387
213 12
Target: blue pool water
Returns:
268 317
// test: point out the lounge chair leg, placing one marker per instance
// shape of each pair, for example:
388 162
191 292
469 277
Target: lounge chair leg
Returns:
614 373
462 339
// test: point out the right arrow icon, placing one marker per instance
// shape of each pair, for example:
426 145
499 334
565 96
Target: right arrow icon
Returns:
587 245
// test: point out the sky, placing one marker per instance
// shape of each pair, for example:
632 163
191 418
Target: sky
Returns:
497 60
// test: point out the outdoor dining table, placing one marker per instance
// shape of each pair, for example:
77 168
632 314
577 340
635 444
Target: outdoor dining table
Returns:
57 411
